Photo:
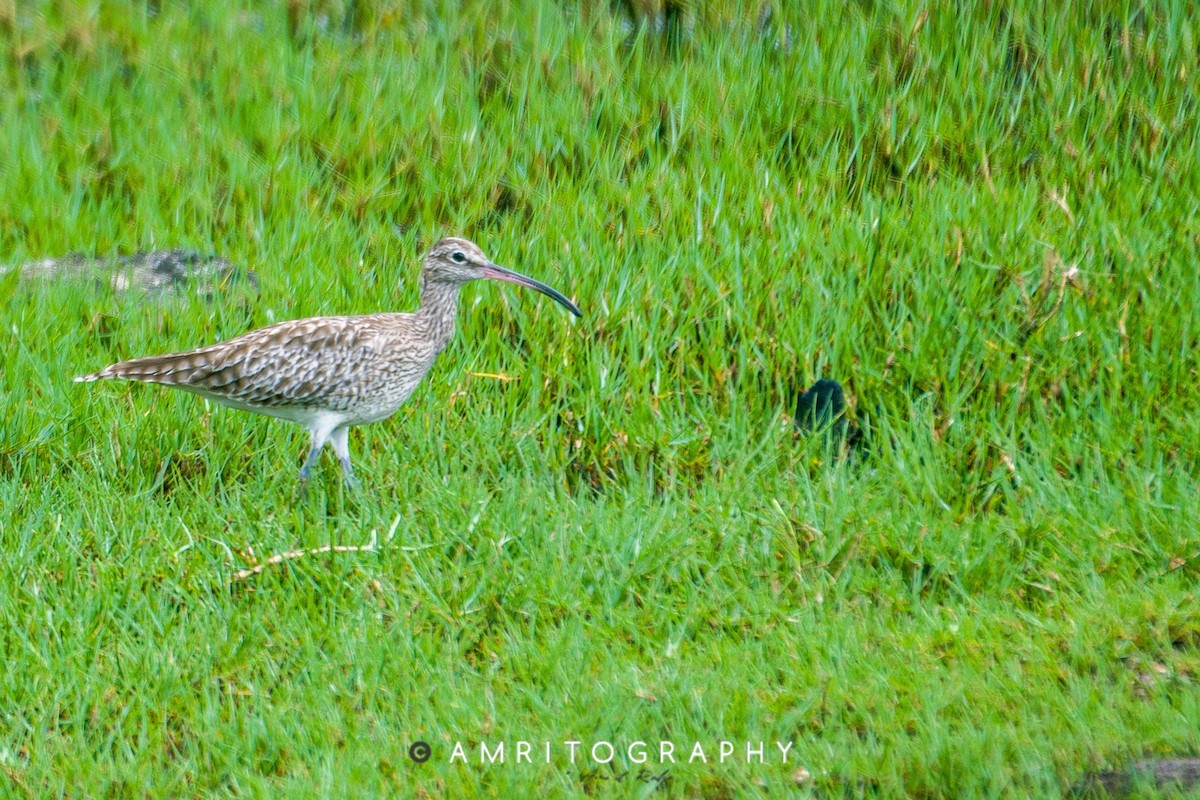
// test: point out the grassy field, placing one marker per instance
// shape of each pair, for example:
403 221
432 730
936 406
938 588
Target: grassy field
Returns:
983 222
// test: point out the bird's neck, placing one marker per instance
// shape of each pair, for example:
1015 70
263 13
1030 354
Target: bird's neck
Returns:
439 303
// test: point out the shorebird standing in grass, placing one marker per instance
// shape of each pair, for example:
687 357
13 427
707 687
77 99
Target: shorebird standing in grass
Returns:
330 373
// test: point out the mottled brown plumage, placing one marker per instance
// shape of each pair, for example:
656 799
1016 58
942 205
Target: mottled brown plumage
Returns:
331 373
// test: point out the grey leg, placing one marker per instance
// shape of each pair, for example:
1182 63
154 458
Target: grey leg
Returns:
314 455
341 448
319 438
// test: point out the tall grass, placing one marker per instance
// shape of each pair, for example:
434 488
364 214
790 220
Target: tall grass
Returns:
981 220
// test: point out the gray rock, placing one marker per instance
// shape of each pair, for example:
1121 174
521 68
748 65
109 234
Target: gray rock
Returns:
156 272
1178 774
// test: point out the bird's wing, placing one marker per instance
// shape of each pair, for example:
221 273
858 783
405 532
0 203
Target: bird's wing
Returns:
305 362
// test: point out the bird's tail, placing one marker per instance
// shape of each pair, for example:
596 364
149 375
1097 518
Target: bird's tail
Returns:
173 368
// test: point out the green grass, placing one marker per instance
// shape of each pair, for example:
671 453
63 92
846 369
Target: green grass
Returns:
984 223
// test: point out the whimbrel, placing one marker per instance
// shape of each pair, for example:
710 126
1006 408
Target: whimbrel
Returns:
330 373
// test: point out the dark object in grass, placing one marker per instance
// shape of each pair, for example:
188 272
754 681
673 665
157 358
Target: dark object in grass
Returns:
155 273
1181 774
822 409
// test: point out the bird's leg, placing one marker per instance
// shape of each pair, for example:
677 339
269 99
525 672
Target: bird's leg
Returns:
314 454
341 448
319 438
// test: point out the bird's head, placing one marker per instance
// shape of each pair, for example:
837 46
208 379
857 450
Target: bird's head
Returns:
457 261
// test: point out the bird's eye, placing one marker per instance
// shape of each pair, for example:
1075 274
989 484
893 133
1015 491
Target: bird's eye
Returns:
458 257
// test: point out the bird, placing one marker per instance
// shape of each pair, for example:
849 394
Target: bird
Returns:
331 373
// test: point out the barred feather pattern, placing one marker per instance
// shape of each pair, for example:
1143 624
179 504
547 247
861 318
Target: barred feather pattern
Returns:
364 367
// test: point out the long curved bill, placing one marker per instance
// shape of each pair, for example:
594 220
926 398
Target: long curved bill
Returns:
497 272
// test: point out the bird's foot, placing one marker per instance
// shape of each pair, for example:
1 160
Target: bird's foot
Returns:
352 482
302 488
313 454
